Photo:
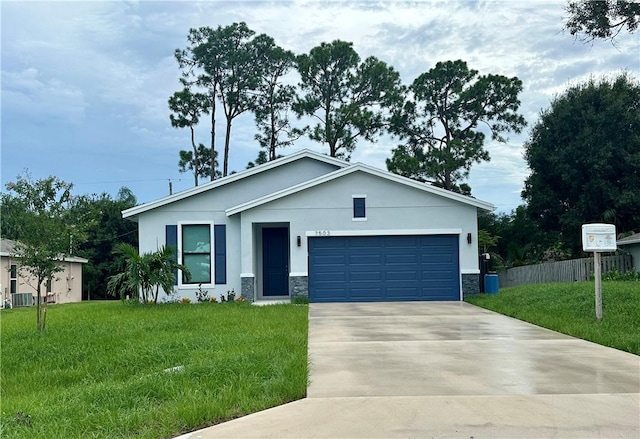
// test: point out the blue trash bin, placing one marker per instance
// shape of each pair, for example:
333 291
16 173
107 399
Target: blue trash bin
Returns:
491 284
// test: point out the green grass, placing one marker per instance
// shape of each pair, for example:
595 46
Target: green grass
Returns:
570 308
98 371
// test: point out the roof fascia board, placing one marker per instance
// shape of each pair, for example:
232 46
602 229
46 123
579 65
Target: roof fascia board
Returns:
630 241
305 153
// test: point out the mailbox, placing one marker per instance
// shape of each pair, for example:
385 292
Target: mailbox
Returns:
599 238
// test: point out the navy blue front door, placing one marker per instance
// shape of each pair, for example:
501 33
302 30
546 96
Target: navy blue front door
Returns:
275 261
383 268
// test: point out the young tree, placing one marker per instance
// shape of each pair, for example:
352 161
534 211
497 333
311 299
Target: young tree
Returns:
344 95
584 156
273 98
43 230
602 18
187 108
440 119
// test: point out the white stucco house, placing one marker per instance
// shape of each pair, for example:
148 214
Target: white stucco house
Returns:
631 244
311 225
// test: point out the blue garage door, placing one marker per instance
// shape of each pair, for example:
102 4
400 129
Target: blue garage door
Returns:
383 268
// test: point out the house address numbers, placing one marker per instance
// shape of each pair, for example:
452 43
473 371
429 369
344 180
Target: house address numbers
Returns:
323 233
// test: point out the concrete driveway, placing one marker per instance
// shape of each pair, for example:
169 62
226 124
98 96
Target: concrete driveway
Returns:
449 370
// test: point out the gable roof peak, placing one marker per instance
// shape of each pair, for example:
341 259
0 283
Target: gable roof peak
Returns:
303 153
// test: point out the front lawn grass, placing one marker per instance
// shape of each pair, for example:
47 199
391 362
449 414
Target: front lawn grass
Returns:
99 369
570 308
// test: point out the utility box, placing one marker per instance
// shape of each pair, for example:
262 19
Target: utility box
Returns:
599 238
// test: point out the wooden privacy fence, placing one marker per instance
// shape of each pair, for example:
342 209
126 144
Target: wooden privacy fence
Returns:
563 271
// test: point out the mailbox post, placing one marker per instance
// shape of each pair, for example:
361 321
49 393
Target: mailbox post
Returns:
598 238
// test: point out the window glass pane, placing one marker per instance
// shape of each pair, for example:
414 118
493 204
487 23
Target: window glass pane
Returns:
200 267
14 270
196 238
48 285
358 208
14 286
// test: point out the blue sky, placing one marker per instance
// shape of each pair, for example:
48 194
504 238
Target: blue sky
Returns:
84 85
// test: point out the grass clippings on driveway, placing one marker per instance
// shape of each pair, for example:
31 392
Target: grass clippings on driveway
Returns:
99 370
570 308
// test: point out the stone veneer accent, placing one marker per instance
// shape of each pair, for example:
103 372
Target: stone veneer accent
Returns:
247 287
470 284
298 286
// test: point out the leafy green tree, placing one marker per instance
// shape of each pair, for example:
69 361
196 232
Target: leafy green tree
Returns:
273 98
202 166
345 96
187 108
144 274
603 19
260 160
239 75
584 156
43 230
520 242
440 123
192 61
223 62
105 228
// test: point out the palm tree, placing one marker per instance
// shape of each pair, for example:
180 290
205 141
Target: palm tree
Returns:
163 271
145 273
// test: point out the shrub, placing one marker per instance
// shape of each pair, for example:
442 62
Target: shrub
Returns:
612 275
185 300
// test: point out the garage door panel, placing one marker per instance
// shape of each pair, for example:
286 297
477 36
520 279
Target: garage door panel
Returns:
402 275
332 276
388 268
406 293
401 258
324 260
369 276
365 259
364 292
366 242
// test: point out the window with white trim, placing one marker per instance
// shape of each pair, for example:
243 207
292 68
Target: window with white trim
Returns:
13 279
359 207
195 249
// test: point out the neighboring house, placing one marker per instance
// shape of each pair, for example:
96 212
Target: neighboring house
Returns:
18 290
631 244
311 225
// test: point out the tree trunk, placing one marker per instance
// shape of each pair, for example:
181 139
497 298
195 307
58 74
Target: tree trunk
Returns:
226 148
272 140
213 134
195 156
38 322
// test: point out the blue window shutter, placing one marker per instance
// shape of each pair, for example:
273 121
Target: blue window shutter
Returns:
220 244
171 240
359 208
